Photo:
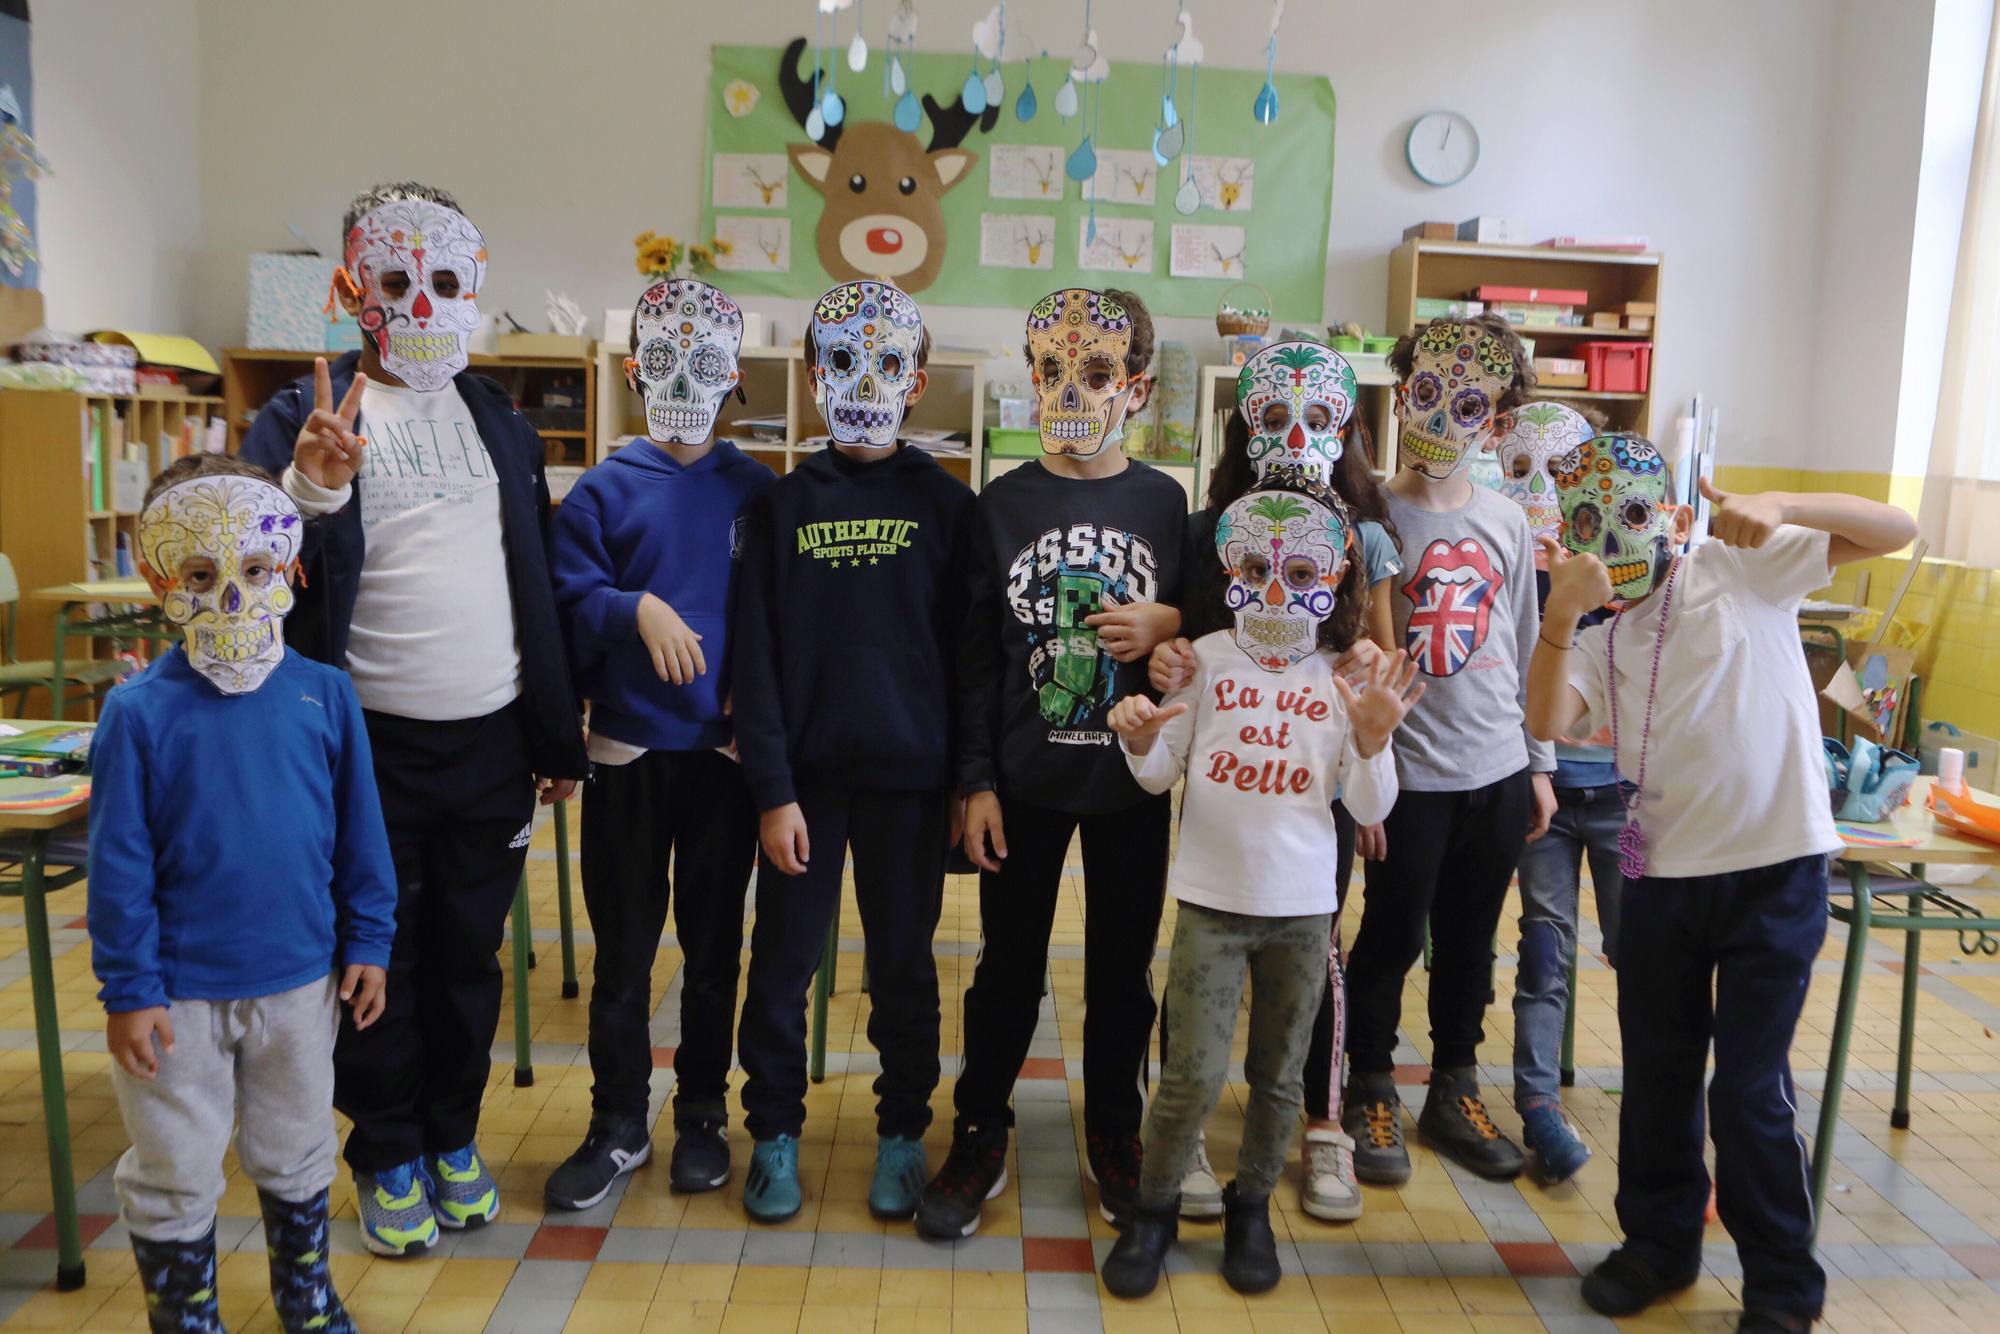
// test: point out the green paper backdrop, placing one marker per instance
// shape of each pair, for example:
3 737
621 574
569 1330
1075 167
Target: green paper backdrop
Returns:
1285 229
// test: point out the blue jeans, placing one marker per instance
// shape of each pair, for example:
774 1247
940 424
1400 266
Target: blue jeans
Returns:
1586 822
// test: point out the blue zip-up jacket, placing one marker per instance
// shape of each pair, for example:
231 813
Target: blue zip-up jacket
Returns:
335 546
641 523
236 841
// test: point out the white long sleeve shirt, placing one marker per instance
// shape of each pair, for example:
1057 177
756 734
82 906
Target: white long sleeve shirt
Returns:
1265 753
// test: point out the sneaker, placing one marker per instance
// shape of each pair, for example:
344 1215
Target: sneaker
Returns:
1112 1161
974 1172
771 1191
1330 1193
1249 1250
1372 1116
1455 1123
1559 1153
900 1172
613 1146
1758 1321
396 1213
701 1157
1132 1269
1201 1191
1624 1285
466 1194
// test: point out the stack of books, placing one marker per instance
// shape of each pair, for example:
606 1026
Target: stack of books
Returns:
44 750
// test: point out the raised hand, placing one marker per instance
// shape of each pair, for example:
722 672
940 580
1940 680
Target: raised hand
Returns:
1578 584
1358 661
328 452
1742 521
1376 709
1171 667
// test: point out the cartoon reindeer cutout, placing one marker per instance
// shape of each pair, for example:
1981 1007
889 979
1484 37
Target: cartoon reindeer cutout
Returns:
883 213
1229 182
768 189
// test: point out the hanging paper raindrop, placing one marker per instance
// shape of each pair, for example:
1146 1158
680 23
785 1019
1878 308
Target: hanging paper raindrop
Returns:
1024 105
1082 164
908 115
973 95
1066 99
1265 108
898 84
1188 197
996 88
857 50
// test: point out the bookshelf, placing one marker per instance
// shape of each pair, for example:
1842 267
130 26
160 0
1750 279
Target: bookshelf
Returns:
55 524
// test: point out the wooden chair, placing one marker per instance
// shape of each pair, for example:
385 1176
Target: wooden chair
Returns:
18 678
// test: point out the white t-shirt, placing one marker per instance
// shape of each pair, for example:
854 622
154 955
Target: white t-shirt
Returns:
433 629
1264 753
1735 774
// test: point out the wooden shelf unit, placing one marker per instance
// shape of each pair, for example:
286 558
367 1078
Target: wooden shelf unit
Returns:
1451 269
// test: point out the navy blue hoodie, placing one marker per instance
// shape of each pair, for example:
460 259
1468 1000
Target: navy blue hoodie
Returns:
640 523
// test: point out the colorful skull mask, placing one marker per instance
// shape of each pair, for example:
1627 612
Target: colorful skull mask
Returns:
1296 397
1457 374
421 322
1077 341
1540 434
1613 494
866 337
222 545
1283 545
689 338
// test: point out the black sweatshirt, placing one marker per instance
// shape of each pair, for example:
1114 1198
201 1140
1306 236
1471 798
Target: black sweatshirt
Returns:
1035 689
849 599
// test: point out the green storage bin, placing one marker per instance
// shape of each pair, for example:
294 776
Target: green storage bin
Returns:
1013 443
1347 343
1380 347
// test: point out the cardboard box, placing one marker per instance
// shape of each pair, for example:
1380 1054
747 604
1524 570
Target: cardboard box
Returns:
1604 319
1552 381
543 345
1546 366
1640 308
1494 231
1430 231
1639 323
1435 308
288 305
1537 296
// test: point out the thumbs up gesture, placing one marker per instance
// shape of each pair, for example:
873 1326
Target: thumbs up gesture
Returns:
1743 521
328 452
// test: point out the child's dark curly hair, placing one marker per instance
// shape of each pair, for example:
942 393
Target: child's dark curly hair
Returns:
1402 357
1353 476
1349 621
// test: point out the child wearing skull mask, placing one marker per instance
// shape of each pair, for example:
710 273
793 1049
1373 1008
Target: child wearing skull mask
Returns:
240 889
645 565
849 609
1714 720
1266 731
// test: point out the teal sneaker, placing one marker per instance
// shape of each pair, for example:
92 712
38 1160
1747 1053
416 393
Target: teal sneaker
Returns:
771 1189
467 1194
900 1173
396 1213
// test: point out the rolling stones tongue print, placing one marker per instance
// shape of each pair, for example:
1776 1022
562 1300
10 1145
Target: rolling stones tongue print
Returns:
418 267
867 335
1451 599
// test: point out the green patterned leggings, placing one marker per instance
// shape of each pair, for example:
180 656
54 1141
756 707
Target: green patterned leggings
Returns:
1285 958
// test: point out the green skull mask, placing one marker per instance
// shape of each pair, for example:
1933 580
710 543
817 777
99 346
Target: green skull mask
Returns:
1615 506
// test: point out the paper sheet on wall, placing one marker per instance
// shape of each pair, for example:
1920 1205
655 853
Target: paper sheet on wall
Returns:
1017 241
751 180
1025 171
1225 182
757 245
1125 176
1208 252
1123 245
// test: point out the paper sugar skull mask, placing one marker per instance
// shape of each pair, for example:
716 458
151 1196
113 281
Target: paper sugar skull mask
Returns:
866 335
1457 375
1613 494
1296 397
1283 545
418 267
689 338
1540 434
222 546
1077 341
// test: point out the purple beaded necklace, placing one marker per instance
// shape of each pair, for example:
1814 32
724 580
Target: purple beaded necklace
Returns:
1632 839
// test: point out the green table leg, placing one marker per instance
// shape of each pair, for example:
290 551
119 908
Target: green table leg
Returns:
1843 1031
564 913
1899 1113
822 989
57 686
524 1065
48 1046
1569 1021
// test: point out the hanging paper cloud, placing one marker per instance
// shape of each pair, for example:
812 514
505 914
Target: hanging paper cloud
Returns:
1188 50
903 23
1090 64
986 34
834 6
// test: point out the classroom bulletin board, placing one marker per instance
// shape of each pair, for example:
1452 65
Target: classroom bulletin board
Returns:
1015 227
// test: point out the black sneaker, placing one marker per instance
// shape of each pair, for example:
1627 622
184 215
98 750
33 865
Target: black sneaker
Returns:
1132 1269
1249 1251
613 1146
1372 1115
701 1157
1624 1285
1455 1123
974 1172
1113 1162
1756 1321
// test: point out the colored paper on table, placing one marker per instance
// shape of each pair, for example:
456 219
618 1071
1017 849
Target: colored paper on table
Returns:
1865 836
36 794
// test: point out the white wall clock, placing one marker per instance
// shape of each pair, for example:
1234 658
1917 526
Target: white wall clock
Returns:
1443 148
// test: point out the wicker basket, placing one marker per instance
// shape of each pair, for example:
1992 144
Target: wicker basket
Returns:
1233 320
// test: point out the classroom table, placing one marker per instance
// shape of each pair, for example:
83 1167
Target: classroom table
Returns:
138 618
1929 908
26 840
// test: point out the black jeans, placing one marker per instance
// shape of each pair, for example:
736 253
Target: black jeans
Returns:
899 841
1725 958
458 800
1124 887
1451 857
691 807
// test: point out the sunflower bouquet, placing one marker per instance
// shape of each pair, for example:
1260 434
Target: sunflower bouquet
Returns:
664 257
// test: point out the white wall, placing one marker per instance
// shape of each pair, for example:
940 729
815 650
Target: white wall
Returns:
115 113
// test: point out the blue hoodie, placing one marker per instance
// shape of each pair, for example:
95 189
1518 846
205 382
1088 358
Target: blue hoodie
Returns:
641 523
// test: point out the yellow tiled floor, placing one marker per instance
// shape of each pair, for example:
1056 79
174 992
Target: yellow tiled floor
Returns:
1911 1238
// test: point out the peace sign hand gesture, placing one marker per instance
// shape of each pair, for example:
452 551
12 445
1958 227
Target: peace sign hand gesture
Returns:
328 452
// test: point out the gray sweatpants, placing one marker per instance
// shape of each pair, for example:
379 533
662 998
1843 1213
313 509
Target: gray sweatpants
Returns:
1286 960
267 1061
